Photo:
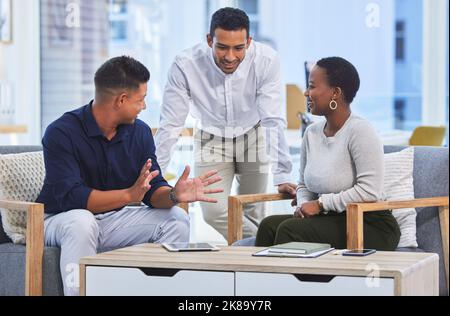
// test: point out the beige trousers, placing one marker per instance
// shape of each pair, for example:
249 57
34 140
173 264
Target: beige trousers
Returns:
244 157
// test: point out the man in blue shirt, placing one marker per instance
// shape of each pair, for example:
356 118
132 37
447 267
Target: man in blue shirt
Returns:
99 160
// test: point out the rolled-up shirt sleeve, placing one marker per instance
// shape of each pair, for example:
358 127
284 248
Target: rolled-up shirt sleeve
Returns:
63 178
269 108
174 111
158 181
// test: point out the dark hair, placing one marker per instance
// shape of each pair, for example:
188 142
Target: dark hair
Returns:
121 73
342 74
230 19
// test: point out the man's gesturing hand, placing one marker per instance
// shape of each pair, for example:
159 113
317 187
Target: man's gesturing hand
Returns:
142 185
192 190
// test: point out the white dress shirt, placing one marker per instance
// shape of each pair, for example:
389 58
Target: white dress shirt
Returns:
226 105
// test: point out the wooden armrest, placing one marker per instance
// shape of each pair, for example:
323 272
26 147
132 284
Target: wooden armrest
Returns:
394 205
17 205
236 209
355 227
34 243
355 213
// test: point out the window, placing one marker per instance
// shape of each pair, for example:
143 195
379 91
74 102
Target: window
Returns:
118 6
400 41
118 20
70 54
151 31
118 30
399 113
446 75
251 7
383 39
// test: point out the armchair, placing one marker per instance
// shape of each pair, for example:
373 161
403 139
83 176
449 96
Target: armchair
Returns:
30 269
355 213
431 192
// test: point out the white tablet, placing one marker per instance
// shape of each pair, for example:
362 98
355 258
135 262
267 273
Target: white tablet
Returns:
190 247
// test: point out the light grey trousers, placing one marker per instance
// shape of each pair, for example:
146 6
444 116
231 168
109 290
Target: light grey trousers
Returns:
244 157
79 233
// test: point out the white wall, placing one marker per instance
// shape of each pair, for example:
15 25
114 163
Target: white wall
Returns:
20 63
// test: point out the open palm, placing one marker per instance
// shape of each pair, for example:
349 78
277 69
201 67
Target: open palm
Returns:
195 189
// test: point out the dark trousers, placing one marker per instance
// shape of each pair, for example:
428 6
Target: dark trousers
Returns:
381 230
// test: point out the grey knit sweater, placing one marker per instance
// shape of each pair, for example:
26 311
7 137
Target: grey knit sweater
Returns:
343 169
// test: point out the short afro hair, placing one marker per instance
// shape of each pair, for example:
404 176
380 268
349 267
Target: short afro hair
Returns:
342 74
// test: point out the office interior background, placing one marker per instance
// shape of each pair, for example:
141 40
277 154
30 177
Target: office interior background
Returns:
50 50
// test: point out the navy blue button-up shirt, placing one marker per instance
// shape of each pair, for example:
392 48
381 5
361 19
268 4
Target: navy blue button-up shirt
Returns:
79 159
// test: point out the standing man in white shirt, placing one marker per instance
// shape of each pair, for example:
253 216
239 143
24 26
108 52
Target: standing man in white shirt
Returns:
232 85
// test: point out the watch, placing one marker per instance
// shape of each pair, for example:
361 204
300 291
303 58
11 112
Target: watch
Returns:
173 197
320 203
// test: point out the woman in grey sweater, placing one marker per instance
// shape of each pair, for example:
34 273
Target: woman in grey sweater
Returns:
341 163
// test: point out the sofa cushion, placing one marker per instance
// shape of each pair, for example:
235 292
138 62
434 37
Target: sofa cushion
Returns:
12 271
412 249
399 186
4 150
21 179
13 150
431 180
3 237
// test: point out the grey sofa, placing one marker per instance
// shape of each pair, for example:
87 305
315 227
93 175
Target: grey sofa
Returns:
15 279
13 257
430 180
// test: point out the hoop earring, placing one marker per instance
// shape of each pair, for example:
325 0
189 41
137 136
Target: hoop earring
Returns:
333 105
